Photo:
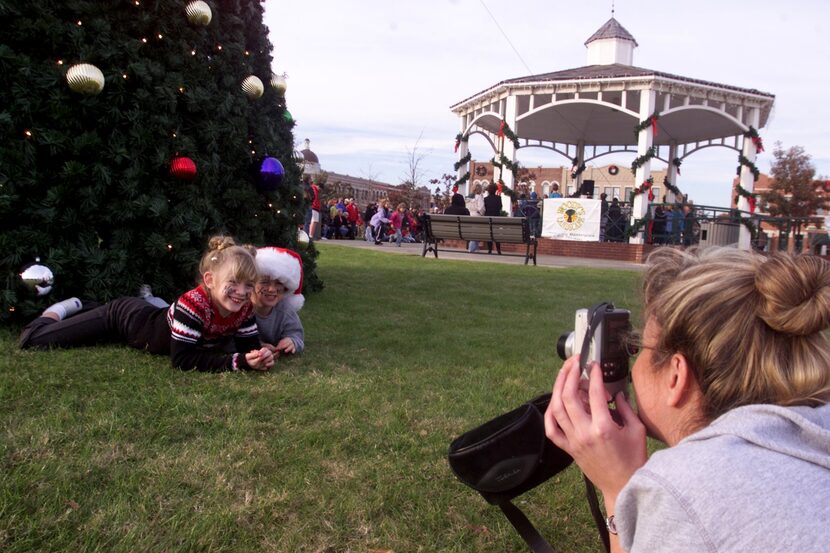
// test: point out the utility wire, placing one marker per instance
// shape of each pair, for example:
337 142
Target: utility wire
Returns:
505 36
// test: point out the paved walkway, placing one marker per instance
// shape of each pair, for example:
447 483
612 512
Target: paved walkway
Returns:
459 255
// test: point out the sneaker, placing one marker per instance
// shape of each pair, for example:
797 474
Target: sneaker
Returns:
65 308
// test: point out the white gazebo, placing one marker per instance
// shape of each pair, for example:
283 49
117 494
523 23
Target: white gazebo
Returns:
610 106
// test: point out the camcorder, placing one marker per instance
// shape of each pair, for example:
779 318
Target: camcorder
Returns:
510 454
600 335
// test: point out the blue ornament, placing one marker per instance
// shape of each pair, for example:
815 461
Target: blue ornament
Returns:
270 174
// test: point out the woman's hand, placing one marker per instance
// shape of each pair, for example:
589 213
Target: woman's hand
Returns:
260 359
607 452
286 345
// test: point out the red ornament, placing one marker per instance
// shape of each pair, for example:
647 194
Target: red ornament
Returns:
455 189
183 168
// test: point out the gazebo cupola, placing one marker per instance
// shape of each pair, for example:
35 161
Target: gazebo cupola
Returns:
611 44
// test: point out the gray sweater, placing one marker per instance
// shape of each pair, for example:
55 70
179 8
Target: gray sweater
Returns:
756 479
283 321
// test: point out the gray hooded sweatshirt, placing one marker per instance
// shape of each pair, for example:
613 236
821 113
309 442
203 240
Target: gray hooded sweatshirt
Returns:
756 479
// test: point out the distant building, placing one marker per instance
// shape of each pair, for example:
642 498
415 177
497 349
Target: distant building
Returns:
362 190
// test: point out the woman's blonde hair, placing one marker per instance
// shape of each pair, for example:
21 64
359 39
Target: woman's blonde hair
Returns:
223 255
749 326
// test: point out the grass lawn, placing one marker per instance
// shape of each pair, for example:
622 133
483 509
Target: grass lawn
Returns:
340 449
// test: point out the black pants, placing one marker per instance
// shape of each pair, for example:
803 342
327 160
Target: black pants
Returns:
490 247
130 321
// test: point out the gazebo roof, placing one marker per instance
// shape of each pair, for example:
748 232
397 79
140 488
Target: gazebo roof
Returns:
611 29
603 72
618 70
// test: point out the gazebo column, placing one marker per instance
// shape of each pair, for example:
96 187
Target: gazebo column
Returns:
463 149
644 142
509 152
671 172
580 159
748 179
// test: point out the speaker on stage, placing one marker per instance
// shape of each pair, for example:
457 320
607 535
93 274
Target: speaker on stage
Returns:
587 188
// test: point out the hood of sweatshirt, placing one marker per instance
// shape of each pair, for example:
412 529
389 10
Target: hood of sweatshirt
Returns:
799 432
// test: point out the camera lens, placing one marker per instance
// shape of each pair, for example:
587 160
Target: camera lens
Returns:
565 345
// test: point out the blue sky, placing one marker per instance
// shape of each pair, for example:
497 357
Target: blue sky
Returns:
367 78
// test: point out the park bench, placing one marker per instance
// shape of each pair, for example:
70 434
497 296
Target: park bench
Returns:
505 230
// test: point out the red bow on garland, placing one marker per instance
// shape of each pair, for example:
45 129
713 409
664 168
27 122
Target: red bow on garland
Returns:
654 125
457 143
455 189
751 201
499 187
759 144
501 128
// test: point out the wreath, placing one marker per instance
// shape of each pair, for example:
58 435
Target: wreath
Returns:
613 170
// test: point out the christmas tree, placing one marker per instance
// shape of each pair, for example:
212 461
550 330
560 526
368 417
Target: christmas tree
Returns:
135 130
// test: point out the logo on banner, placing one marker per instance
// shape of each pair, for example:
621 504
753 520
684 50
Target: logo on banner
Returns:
570 215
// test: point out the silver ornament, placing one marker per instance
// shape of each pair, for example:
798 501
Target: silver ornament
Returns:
38 278
85 78
302 239
253 87
198 13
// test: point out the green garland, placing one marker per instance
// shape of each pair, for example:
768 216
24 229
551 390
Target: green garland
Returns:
753 230
460 182
743 160
750 197
647 184
462 161
753 135
509 134
670 187
648 122
506 190
579 170
512 167
638 225
640 161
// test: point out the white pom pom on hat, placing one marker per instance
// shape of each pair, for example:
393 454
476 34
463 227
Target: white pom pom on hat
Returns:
285 266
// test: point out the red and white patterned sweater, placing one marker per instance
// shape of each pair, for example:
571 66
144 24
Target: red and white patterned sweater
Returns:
197 328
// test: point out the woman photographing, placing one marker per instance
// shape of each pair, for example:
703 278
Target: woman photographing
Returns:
733 376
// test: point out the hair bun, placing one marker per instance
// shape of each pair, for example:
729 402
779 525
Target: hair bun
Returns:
219 243
795 293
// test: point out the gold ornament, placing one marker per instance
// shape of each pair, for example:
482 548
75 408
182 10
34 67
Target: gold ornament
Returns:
198 13
85 78
253 87
279 84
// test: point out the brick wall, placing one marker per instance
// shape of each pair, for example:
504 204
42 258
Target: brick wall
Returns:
636 253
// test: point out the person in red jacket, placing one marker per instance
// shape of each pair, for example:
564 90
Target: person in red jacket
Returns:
353 214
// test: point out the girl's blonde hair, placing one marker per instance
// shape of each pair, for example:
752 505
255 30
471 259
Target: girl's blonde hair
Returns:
749 326
223 255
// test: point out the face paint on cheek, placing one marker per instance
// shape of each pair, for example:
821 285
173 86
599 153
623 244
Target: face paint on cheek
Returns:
228 290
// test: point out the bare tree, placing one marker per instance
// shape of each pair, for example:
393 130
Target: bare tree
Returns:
370 173
414 158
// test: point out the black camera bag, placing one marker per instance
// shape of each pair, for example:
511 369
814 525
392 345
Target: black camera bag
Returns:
509 455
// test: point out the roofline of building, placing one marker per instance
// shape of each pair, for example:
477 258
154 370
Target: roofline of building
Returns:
519 83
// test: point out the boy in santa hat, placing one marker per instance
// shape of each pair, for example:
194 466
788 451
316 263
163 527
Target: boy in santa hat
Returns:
277 298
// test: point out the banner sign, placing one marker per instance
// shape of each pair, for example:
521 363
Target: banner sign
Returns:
571 219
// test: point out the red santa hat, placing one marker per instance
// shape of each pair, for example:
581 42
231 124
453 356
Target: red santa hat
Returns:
286 267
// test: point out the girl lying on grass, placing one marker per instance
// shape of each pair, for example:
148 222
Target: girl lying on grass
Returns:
277 297
189 331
